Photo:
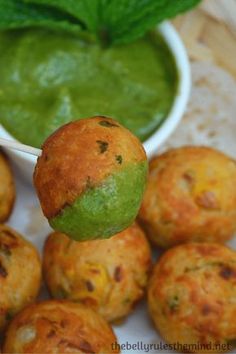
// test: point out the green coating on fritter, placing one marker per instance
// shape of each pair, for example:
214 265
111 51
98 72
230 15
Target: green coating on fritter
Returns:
107 209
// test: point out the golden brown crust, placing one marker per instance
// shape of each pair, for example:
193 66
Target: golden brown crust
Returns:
7 189
192 293
190 196
80 155
108 275
20 273
59 327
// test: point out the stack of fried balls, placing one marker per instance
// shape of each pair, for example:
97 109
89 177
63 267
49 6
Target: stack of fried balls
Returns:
97 263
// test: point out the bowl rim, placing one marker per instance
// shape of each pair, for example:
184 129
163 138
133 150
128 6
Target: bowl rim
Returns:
177 110
176 46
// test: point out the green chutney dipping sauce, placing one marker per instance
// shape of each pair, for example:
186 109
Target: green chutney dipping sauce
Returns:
50 78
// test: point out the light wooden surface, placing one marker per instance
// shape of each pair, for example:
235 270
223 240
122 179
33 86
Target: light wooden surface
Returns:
209 33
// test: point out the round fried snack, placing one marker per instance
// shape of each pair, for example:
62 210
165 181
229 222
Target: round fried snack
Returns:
190 196
109 276
59 327
7 189
20 273
90 178
191 297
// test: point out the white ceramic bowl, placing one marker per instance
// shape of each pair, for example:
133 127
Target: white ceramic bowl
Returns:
26 162
177 48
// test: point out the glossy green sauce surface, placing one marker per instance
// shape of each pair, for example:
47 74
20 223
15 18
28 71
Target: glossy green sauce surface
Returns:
105 210
48 79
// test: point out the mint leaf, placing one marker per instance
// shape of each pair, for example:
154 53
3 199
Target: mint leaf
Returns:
120 21
87 11
17 14
131 19
112 21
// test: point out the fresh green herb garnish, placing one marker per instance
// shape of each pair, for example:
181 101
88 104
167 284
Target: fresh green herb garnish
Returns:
126 301
105 123
103 146
119 159
19 14
60 293
5 250
110 21
173 303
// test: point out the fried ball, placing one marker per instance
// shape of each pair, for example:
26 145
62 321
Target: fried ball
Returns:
190 196
90 178
59 327
20 273
192 293
107 275
7 189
